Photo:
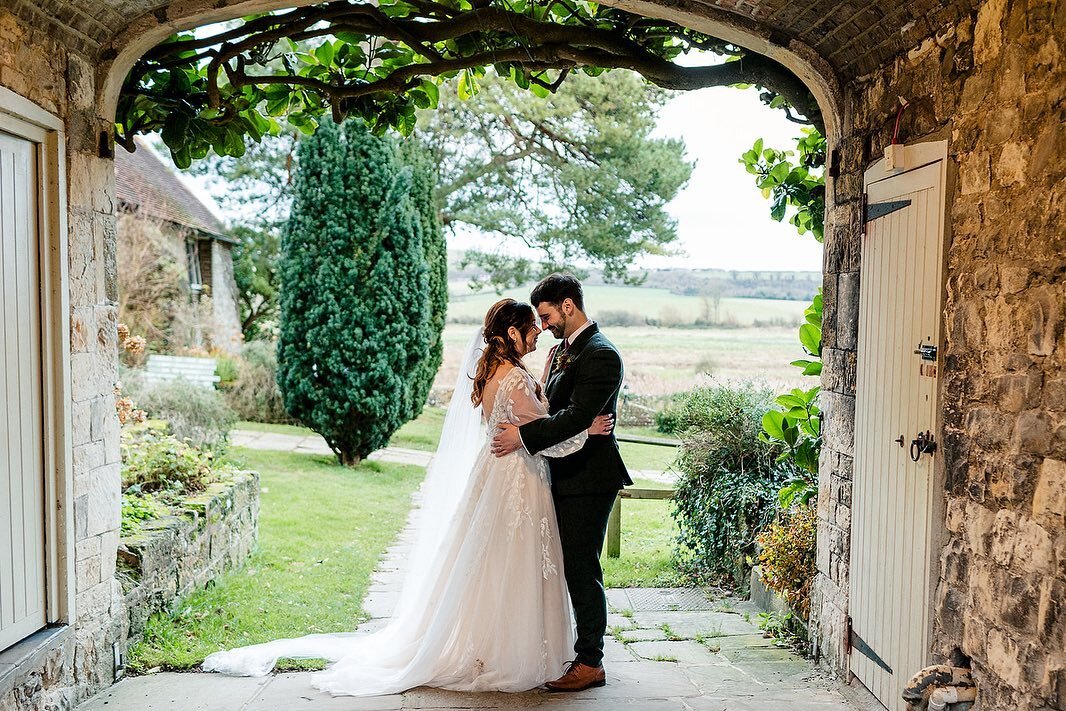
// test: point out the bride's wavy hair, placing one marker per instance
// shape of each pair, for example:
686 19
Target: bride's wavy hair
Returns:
499 348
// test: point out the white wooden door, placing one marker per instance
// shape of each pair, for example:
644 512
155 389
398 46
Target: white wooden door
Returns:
892 532
22 545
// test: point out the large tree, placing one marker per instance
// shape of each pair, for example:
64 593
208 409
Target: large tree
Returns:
575 177
383 60
356 311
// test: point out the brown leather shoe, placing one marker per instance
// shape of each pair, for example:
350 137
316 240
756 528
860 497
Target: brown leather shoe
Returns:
578 678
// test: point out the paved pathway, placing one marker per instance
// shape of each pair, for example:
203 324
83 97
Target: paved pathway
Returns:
669 650
314 444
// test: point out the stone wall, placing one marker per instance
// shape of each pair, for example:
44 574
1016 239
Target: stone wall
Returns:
211 320
992 83
175 556
227 323
36 66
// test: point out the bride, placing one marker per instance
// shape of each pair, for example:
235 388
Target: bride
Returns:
484 604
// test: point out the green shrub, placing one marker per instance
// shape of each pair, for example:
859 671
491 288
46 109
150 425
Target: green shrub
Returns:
226 369
788 556
198 415
667 419
254 394
154 461
728 480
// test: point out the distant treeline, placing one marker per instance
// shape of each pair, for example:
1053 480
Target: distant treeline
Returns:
792 286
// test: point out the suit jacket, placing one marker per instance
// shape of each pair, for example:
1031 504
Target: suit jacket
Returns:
588 386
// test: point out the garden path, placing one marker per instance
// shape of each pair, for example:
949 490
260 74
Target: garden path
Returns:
669 650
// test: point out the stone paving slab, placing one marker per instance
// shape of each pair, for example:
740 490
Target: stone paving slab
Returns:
685 651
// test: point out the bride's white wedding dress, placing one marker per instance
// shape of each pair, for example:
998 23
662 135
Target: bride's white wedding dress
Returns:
484 604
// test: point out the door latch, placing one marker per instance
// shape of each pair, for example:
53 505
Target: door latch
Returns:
924 443
927 351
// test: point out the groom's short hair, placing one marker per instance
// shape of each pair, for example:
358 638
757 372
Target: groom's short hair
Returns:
557 288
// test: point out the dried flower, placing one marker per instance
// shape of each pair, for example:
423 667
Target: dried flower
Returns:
123 333
135 345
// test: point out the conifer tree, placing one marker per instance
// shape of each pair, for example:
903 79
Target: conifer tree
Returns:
424 193
356 326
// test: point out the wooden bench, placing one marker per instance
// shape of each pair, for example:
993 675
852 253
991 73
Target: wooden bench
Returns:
199 371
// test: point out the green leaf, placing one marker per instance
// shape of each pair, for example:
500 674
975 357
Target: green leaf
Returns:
779 206
179 82
432 91
811 338
790 401
174 131
182 157
780 171
405 122
325 52
467 85
773 422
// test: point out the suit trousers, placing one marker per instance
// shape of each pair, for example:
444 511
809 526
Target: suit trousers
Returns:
582 522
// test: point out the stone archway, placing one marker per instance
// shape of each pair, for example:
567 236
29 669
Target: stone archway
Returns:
985 74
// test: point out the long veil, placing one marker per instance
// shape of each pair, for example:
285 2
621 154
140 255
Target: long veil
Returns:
389 660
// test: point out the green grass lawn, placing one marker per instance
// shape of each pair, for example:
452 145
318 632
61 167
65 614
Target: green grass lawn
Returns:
322 528
422 432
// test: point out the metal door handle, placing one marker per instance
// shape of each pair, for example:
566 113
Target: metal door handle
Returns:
899 441
924 443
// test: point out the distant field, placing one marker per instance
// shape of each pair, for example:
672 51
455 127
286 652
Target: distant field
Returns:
658 304
660 361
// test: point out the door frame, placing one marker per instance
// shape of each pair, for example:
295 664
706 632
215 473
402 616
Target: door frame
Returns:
21 117
915 156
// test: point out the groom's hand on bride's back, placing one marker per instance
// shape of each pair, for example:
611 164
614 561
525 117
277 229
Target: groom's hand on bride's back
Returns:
506 441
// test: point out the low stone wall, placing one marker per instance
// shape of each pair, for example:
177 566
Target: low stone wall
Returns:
177 555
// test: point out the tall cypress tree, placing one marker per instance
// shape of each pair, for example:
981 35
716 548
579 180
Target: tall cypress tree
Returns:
355 303
423 192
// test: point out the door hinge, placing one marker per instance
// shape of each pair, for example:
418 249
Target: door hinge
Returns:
880 209
853 641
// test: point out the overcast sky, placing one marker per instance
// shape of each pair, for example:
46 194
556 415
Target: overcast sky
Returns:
723 220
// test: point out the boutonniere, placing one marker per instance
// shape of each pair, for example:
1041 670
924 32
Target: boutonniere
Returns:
563 359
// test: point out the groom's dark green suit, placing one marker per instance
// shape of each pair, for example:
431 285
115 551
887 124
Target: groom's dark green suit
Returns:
583 384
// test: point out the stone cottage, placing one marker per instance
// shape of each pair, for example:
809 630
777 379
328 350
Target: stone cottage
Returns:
942 535
151 197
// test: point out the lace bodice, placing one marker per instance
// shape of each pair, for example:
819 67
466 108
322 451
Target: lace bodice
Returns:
517 403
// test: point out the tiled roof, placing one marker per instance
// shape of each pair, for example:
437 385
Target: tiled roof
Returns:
148 184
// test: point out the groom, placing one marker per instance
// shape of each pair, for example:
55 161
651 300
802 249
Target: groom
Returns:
584 377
